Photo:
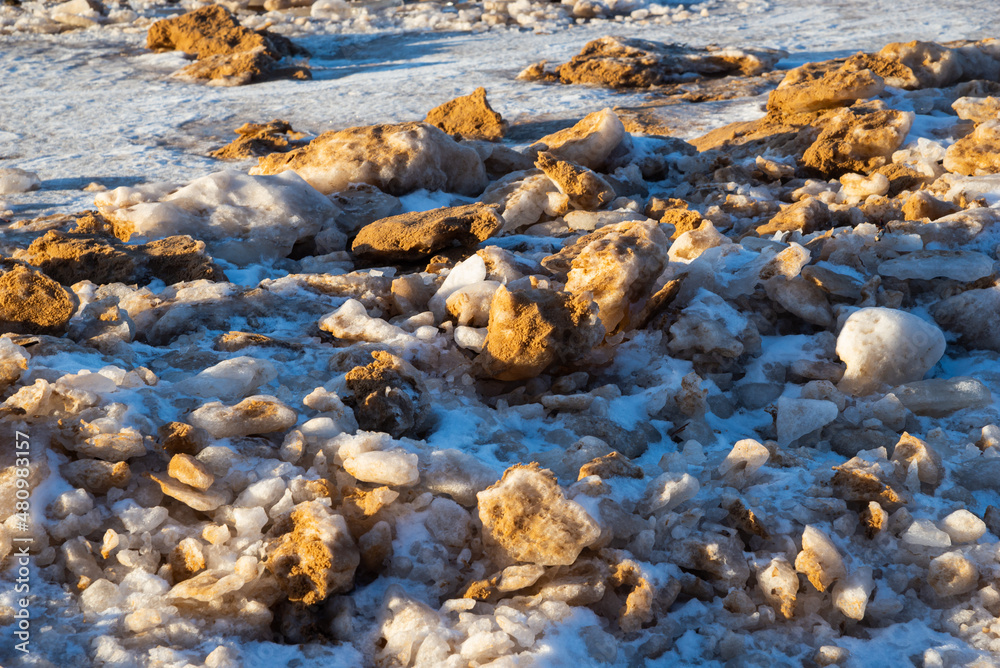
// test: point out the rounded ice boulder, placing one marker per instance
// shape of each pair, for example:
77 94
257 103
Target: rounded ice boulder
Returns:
886 346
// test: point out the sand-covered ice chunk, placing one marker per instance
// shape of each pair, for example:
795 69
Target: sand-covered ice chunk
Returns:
583 188
524 197
857 187
952 574
693 243
188 470
883 345
392 467
913 454
417 235
97 476
469 116
858 142
469 305
315 555
31 302
621 62
617 265
819 559
526 517
977 109
389 395
779 584
259 414
397 159
850 595
976 154
118 446
530 329
588 143
919 64
14 180
837 88
13 363
963 526
199 500
242 218
798 417
231 379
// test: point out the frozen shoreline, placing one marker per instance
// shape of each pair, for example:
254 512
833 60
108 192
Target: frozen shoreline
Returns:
94 106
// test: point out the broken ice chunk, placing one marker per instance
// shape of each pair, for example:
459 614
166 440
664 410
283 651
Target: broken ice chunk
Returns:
242 218
203 501
798 417
526 517
747 455
779 584
260 414
883 345
470 305
530 329
14 180
939 397
819 559
911 453
923 532
669 490
119 447
190 471
952 574
856 188
231 379
589 142
316 555
13 363
352 322
850 595
964 266
963 526
708 324
471 338
693 243
395 467
465 273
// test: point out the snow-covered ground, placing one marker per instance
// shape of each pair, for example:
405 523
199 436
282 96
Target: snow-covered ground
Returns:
94 106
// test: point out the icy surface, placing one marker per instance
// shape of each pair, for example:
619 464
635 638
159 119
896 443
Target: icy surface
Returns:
198 469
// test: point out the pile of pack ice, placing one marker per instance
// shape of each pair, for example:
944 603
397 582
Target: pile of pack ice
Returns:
299 17
620 398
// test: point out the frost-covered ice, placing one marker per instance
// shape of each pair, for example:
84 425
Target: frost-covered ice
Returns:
684 393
